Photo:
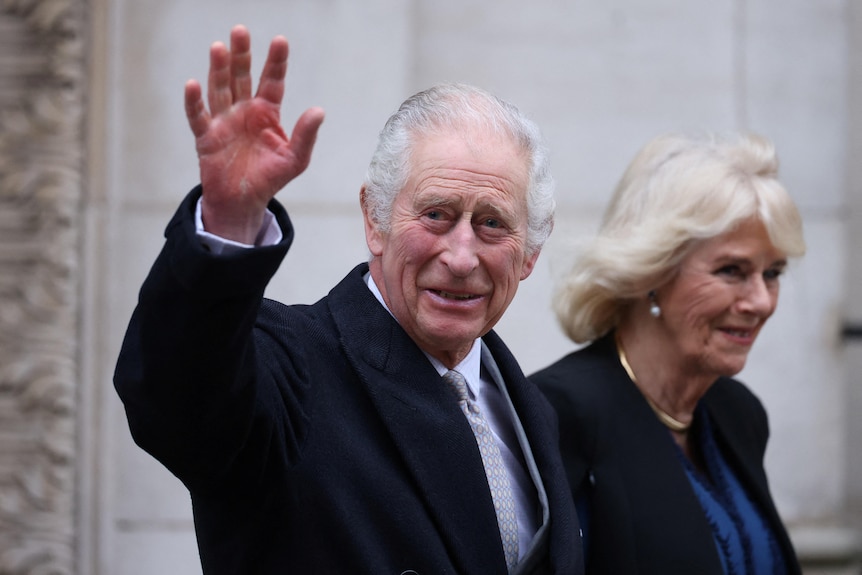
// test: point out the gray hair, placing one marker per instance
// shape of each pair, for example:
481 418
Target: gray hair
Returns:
451 106
677 191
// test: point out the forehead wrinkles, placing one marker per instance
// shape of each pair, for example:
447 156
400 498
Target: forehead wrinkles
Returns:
466 181
500 176
467 155
470 196
470 169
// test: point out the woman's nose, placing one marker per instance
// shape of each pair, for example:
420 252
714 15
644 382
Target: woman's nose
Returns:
759 297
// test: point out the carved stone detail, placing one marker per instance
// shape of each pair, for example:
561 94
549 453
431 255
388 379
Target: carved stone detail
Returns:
42 84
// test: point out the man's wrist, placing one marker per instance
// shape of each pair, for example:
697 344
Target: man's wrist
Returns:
269 234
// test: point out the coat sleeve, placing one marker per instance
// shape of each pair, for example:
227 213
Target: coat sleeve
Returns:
187 372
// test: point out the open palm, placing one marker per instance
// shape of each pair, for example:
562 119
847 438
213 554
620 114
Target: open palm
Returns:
245 156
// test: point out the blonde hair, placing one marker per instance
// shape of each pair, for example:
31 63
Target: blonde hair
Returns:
676 191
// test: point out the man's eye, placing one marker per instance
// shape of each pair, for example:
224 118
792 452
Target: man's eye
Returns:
434 215
772 274
492 223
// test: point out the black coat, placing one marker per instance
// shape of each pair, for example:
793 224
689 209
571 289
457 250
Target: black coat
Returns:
317 439
622 464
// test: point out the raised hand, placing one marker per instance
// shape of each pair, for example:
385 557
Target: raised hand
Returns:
244 154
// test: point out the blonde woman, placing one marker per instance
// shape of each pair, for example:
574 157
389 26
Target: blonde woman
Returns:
663 449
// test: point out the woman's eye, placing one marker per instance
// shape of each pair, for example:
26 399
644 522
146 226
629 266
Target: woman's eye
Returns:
730 270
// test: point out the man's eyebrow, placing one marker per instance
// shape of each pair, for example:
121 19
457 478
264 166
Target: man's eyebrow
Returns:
432 199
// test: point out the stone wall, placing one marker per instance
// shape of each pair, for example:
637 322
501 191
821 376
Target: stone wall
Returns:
42 84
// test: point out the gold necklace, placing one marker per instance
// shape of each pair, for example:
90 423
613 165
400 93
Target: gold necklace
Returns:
668 420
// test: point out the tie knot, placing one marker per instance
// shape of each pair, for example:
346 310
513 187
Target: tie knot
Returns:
458 384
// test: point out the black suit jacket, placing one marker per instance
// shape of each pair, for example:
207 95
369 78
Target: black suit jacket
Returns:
624 470
319 438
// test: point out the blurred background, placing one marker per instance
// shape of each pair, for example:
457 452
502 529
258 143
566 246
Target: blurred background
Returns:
95 155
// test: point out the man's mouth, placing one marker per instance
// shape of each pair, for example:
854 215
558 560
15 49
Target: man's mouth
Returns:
455 296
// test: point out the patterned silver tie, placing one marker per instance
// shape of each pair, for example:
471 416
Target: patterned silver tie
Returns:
498 477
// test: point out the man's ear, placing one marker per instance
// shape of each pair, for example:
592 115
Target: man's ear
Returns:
529 265
373 235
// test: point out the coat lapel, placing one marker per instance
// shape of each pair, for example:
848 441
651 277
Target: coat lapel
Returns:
738 447
424 422
538 419
743 448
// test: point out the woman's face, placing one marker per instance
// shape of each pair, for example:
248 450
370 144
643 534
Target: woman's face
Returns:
726 289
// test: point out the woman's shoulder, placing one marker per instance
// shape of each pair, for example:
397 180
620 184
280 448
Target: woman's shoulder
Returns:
731 394
597 355
737 411
585 376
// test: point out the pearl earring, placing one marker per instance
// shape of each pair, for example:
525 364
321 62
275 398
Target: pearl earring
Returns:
654 309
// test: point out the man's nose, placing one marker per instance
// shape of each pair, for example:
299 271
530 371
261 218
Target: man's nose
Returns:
461 252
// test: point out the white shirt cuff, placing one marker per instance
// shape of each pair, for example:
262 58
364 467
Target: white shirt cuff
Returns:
269 235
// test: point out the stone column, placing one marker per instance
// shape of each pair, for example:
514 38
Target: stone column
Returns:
42 71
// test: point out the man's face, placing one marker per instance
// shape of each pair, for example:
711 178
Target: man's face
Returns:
455 251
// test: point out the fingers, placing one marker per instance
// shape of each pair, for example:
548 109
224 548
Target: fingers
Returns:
219 92
240 63
229 80
271 86
305 134
196 112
